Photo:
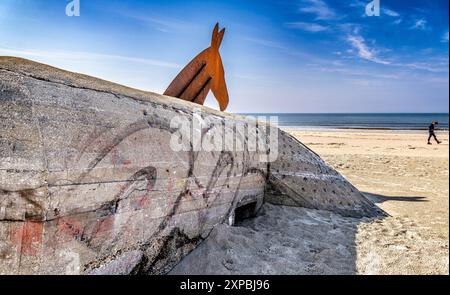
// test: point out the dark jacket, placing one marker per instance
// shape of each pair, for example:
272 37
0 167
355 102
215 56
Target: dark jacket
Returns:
431 128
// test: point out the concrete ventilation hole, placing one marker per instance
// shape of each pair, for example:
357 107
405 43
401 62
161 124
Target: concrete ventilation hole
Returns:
243 212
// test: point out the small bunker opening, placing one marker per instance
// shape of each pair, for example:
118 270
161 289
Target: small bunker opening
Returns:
244 212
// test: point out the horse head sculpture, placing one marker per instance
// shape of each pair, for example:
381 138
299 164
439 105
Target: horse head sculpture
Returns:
205 72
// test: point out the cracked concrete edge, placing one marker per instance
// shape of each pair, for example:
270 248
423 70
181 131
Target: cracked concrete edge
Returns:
52 74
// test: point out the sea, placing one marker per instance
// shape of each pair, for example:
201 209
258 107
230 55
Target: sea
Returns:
386 121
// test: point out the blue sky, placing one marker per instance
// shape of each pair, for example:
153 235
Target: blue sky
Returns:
279 56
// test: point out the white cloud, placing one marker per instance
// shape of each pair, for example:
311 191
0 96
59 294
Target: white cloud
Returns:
72 55
160 23
266 43
356 72
419 24
309 27
318 8
390 12
445 38
429 67
358 3
350 28
397 21
363 50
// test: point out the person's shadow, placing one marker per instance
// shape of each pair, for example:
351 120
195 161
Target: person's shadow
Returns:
376 198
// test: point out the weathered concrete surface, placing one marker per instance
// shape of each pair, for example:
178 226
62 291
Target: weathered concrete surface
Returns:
90 185
299 177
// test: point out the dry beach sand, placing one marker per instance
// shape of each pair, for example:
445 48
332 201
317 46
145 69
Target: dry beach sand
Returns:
396 169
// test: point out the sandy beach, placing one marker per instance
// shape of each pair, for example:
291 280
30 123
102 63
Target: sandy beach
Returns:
403 175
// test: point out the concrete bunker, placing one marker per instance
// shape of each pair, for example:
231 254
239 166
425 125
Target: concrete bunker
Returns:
104 194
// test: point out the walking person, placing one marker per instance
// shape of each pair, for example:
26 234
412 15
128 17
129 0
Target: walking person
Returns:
431 132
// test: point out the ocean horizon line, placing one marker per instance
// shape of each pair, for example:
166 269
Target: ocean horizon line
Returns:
381 121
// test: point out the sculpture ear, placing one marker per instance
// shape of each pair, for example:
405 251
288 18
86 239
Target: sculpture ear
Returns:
215 35
220 37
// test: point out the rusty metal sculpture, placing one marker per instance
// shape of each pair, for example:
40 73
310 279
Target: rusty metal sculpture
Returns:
205 72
